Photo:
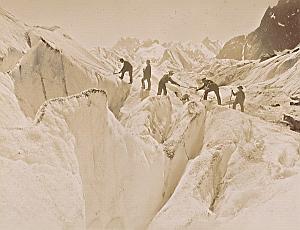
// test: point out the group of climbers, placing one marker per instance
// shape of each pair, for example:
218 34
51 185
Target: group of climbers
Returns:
208 85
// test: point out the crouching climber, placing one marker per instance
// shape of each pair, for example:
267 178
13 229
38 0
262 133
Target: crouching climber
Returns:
239 98
295 100
127 67
163 81
210 86
292 122
184 98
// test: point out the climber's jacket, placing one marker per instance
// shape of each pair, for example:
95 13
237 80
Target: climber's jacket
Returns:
126 67
210 85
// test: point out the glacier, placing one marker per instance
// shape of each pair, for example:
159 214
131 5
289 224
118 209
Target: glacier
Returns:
81 149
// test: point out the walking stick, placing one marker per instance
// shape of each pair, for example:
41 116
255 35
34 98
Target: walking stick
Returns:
186 87
191 87
201 98
230 99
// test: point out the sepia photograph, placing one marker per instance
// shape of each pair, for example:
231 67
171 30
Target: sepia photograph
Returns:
149 115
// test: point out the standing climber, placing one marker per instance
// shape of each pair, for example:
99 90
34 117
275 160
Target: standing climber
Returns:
239 98
127 67
162 83
147 75
209 86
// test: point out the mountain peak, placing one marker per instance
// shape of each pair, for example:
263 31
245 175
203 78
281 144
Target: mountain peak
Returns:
278 30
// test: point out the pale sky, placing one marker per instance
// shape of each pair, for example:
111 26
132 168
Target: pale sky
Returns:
103 22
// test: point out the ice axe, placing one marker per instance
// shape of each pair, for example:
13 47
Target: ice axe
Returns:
192 87
186 87
230 99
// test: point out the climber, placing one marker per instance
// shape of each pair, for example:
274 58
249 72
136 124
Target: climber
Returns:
162 83
126 67
209 86
147 75
240 98
184 98
295 100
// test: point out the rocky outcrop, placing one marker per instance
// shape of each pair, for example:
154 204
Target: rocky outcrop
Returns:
278 30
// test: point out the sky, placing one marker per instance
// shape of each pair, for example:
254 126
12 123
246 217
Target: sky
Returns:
102 22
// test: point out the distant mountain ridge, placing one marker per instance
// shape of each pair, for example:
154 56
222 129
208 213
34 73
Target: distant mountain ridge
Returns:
174 54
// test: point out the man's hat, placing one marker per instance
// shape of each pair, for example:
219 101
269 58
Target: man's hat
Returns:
121 59
148 61
240 87
203 79
171 72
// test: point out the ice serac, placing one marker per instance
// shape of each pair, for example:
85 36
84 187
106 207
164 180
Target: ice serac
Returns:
122 176
152 117
184 143
13 40
11 115
40 185
240 169
57 66
176 133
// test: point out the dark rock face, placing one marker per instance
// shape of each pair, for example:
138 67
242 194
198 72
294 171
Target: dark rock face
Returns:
279 30
280 26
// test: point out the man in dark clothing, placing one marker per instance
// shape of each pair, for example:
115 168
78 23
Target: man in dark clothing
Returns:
126 67
239 99
209 86
162 83
147 76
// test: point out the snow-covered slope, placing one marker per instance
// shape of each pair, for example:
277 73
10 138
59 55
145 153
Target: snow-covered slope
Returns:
84 181
241 167
13 40
268 83
39 176
104 150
